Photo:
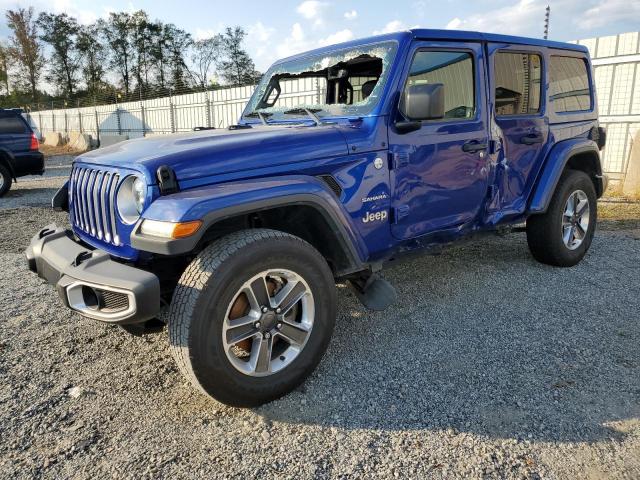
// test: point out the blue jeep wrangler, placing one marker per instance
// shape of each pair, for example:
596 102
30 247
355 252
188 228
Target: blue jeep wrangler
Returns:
344 160
19 154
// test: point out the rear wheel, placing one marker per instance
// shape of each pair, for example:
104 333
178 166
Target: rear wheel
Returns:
5 180
562 236
252 316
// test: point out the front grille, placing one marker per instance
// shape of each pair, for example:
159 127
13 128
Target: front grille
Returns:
93 202
112 302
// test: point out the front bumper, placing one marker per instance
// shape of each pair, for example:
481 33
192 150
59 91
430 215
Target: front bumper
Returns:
90 282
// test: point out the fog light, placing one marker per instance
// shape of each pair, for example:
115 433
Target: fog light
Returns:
90 298
155 228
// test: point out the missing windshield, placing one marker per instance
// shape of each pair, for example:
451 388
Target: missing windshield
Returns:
345 82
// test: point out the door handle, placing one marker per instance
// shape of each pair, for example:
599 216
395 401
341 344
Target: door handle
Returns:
531 139
474 146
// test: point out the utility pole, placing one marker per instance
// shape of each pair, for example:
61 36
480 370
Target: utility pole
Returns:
546 22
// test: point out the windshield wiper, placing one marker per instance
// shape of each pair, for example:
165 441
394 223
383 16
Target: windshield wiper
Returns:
310 112
261 115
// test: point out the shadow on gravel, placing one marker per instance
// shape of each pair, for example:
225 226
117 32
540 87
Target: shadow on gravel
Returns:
485 340
18 192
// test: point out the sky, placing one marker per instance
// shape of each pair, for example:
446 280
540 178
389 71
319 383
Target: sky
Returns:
280 28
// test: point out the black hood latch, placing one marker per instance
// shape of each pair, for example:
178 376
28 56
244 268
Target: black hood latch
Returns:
167 180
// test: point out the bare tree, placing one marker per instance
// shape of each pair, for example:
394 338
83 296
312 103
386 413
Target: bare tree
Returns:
206 54
24 48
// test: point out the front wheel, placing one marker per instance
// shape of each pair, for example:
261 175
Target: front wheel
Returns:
562 236
252 316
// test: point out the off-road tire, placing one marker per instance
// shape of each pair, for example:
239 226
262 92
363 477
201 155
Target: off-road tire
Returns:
207 288
5 180
544 231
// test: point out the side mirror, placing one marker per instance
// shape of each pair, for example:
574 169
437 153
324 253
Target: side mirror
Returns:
423 102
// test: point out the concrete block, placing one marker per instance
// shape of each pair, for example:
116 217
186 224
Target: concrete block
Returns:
53 138
79 141
631 186
108 140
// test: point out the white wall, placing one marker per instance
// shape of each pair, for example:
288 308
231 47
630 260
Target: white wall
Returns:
616 61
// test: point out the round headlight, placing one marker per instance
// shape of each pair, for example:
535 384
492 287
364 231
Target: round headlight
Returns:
131 195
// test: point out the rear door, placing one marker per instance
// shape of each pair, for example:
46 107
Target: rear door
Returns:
440 172
522 134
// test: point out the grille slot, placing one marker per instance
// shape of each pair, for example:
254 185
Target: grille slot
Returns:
93 195
112 302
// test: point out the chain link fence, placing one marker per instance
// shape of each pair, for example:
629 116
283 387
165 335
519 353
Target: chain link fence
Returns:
171 114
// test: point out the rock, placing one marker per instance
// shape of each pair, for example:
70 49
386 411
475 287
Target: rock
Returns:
53 138
79 141
75 392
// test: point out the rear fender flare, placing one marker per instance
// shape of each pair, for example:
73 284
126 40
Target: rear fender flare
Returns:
555 164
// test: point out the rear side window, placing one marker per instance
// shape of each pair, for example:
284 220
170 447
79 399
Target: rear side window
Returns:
569 84
454 70
517 78
12 124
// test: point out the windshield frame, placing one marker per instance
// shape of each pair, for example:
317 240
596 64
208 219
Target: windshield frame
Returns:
295 66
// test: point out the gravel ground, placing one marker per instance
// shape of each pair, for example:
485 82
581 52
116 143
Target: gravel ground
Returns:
491 365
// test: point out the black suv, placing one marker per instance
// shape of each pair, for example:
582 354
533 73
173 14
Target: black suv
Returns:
19 155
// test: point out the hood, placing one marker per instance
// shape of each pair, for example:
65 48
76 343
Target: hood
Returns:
197 155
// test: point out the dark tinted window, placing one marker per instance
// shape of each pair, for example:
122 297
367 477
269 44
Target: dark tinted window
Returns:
517 77
454 70
569 84
12 124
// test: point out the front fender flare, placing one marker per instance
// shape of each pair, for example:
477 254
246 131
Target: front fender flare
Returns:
554 166
214 203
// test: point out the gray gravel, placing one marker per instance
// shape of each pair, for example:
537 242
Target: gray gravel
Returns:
37 190
491 365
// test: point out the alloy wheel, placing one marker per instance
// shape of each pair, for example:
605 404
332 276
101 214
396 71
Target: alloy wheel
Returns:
268 322
575 219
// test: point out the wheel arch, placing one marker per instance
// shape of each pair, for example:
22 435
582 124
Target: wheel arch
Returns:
575 154
305 208
304 218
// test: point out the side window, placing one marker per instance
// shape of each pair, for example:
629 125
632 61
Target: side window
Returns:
569 84
517 79
11 124
454 70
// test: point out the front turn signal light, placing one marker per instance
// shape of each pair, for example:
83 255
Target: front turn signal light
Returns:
176 230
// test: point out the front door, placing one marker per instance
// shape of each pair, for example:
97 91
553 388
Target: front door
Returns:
440 172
